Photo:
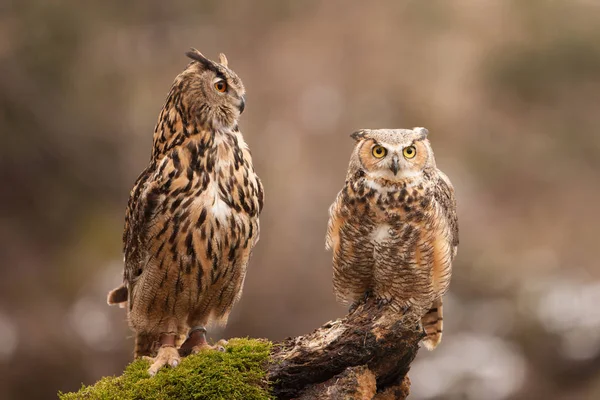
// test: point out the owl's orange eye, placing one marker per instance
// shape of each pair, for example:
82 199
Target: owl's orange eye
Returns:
379 151
221 86
409 152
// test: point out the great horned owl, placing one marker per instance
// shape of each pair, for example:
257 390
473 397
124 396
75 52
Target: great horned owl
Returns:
192 217
393 227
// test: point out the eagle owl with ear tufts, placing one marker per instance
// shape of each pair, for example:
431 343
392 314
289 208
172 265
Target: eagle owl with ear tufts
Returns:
192 217
393 227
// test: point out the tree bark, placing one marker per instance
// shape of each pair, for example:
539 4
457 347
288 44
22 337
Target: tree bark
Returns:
365 355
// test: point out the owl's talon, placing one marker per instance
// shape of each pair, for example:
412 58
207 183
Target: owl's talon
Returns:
196 342
207 347
200 348
220 345
167 356
381 302
363 300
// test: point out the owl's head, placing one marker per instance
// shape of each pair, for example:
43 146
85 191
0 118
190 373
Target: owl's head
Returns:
392 154
212 92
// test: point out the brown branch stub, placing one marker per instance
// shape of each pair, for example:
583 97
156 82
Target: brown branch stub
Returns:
372 336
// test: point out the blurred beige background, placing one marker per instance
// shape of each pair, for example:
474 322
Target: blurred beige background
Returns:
509 90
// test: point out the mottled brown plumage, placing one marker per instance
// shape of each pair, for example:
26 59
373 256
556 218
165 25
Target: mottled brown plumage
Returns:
393 227
192 217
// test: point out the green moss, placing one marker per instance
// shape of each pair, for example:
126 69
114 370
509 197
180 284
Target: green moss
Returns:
237 373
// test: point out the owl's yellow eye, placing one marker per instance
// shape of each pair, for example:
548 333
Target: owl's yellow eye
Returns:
379 151
409 152
221 86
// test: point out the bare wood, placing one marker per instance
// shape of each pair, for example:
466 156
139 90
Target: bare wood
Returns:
375 338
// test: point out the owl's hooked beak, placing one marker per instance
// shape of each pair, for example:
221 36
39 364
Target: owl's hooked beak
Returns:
395 165
242 104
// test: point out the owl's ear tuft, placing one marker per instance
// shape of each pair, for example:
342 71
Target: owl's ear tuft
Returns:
223 60
421 132
197 56
358 134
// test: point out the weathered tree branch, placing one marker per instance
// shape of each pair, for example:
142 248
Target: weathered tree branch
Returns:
365 354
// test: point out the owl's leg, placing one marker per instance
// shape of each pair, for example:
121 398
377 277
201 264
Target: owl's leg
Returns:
167 354
196 342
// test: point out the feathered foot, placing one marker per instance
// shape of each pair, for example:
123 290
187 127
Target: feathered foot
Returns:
196 342
360 301
167 354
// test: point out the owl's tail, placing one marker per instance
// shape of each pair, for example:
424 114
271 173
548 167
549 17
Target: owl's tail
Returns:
433 325
118 296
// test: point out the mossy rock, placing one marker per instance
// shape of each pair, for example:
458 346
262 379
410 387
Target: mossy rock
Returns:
237 373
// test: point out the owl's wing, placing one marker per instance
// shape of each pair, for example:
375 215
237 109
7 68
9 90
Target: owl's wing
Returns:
444 194
132 241
146 197
260 195
348 238
334 224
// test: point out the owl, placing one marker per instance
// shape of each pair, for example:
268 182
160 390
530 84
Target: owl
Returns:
192 217
393 228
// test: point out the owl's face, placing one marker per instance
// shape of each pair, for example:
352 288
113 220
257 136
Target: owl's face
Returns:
215 93
393 154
